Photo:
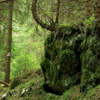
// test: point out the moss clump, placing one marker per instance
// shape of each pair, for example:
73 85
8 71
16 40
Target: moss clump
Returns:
67 55
69 29
45 63
68 62
15 83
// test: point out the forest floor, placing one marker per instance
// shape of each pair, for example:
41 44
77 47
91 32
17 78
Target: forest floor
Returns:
31 88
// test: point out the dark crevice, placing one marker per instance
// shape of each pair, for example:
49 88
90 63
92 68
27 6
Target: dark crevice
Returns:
49 90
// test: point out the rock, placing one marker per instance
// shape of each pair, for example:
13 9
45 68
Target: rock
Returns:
11 92
91 63
61 64
71 58
4 96
25 91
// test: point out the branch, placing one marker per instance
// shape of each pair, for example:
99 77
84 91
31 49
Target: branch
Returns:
7 85
38 20
2 9
5 1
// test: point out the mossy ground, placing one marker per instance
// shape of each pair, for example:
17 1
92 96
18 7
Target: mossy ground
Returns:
34 80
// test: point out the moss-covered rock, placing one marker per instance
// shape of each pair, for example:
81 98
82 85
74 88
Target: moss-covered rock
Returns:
90 70
90 62
45 65
68 62
61 65
48 47
72 58
53 72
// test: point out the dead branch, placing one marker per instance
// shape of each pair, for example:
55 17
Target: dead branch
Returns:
7 85
5 1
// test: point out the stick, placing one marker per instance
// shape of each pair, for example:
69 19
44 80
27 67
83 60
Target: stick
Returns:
7 85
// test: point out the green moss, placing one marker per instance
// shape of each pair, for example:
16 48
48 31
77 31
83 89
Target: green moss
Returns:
85 73
68 62
48 47
52 97
55 51
48 52
89 80
45 63
85 58
48 40
67 94
67 54
53 70
68 29
95 45
83 76
90 71
83 44
15 83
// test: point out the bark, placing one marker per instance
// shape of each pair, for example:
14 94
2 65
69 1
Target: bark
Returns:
9 40
57 11
89 9
97 10
5 1
38 20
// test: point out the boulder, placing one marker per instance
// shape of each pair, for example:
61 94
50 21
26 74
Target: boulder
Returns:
71 57
61 64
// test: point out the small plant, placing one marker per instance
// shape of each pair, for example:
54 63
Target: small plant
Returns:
90 23
90 20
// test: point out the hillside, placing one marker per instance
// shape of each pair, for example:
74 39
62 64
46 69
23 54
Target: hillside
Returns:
32 83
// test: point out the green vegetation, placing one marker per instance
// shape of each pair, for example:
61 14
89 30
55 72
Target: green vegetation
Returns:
67 54
45 63
49 50
53 72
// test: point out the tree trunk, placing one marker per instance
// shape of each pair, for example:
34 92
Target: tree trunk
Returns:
97 10
57 11
89 9
9 40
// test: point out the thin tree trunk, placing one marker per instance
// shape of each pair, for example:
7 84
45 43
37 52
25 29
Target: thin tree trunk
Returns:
57 11
9 40
97 10
89 9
